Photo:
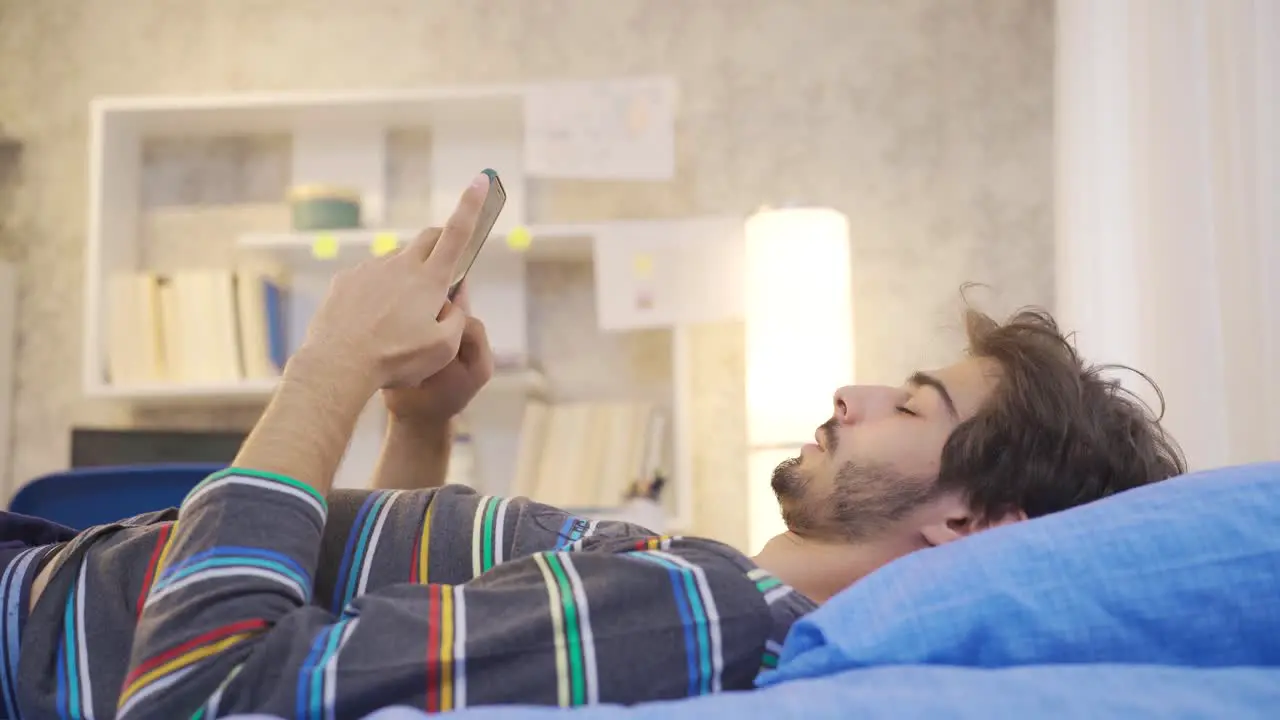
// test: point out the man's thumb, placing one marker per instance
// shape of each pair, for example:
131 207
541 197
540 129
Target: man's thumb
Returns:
452 322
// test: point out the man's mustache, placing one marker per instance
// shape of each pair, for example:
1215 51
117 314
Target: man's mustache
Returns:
828 430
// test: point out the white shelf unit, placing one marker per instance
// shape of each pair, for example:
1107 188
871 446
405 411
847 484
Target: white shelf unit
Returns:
335 139
341 138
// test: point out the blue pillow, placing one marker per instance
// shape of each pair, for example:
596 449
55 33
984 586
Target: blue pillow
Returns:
1184 572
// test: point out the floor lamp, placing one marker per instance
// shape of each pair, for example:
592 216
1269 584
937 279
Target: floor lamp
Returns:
799 342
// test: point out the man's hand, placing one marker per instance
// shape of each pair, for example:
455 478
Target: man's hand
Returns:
387 322
432 403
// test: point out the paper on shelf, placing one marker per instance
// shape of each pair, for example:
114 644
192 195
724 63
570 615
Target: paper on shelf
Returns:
661 273
608 130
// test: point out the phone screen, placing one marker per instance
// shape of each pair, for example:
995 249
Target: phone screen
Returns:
489 212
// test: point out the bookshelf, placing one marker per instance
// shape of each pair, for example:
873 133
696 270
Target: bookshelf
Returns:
345 139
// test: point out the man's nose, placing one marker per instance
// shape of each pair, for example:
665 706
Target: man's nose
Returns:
853 404
845 405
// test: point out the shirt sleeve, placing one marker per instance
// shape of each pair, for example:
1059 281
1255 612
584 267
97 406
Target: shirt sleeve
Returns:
239 559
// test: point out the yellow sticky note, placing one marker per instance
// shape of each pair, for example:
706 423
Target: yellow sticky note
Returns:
642 265
384 243
519 238
324 247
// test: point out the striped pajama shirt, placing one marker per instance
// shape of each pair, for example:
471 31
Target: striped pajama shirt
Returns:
259 595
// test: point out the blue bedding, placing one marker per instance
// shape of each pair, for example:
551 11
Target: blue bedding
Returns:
1160 602
1095 692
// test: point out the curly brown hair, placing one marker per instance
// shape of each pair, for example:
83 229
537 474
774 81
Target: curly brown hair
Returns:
1056 432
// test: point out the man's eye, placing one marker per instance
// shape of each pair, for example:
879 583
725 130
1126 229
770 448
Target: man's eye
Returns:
907 411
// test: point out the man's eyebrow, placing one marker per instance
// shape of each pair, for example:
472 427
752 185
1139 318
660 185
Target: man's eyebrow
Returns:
920 379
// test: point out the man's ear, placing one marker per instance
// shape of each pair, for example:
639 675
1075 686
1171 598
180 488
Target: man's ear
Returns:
959 521
1007 517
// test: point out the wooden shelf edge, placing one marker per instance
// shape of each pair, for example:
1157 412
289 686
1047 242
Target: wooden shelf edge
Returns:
523 380
549 242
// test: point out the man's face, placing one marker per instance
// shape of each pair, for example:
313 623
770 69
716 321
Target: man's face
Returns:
876 460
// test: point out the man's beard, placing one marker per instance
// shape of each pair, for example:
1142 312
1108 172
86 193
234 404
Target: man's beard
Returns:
866 498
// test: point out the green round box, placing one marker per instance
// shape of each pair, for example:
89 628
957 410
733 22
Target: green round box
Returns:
324 207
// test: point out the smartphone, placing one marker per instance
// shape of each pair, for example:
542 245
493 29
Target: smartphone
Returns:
489 212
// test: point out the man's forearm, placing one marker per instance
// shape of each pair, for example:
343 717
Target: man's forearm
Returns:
414 456
264 533
306 427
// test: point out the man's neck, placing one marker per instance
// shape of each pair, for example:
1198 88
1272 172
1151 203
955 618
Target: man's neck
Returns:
819 569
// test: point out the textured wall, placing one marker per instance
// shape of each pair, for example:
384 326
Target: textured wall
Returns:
927 121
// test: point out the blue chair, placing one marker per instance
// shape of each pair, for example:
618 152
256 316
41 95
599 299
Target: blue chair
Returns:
98 495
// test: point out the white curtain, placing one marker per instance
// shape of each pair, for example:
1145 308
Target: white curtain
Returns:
1168 208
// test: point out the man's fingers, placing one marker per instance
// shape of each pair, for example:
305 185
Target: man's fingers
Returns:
474 351
461 299
452 322
443 258
474 337
420 249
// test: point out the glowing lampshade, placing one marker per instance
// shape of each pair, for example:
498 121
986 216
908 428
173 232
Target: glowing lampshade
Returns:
799 341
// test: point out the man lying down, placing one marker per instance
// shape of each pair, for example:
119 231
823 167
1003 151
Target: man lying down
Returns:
267 592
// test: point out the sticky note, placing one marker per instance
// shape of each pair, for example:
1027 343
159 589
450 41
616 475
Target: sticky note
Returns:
384 243
638 117
642 265
324 247
519 238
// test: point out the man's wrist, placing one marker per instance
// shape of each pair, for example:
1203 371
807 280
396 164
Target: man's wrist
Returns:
306 426
341 382
415 455
421 428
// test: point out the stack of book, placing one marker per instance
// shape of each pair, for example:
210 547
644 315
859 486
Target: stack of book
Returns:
587 454
197 326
